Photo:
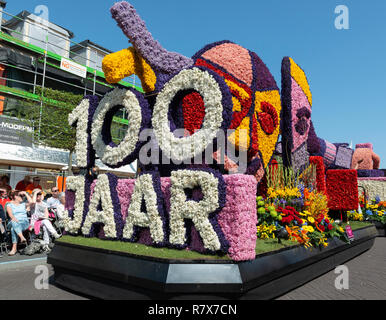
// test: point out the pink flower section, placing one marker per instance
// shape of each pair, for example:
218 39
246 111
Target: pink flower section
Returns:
238 218
372 178
233 58
299 101
125 189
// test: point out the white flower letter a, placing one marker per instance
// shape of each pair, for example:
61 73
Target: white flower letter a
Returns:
101 195
144 189
198 212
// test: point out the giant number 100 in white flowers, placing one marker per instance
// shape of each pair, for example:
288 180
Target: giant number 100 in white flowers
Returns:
93 121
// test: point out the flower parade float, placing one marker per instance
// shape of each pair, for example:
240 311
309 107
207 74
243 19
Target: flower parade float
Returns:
222 209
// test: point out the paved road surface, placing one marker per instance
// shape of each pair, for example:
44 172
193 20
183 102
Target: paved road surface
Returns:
367 280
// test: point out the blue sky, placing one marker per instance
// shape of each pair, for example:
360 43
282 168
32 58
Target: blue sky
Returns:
346 69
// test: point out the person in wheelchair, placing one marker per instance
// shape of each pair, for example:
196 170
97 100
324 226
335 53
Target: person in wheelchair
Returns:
17 213
40 219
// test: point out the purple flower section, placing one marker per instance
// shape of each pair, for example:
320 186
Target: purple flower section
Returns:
196 243
322 147
145 123
93 105
89 185
313 144
135 29
344 144
253 166
238 218
364 145
371 173
145 237
286 116
162 78
119 223
70 200
263 79
343 157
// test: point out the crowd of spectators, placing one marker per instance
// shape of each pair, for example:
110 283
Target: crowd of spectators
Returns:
27 208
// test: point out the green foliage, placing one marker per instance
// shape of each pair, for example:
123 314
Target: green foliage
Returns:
280 177
54 130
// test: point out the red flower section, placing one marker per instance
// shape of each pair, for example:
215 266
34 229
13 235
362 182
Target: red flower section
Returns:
268 117
342 189
194 111
329 227
254 148
289 214
320 174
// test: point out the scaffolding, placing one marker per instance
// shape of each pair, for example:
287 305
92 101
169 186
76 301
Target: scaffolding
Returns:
29 81
46 71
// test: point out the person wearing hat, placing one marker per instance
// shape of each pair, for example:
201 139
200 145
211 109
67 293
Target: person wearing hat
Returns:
34 185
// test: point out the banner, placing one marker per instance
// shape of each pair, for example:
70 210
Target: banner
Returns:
14 131
73 67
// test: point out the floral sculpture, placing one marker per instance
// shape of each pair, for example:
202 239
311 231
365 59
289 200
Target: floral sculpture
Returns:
297 104
245 96
206 206
365 158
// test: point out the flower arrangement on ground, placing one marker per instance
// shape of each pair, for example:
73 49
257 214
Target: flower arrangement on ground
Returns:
301 212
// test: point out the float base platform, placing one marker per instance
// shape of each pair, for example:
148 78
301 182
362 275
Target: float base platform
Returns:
381 228
106 274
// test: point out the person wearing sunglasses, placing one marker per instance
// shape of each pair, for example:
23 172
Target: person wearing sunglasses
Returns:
53 201
17 212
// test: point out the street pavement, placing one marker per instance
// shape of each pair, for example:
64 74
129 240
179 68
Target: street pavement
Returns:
30 278
367 279
22 278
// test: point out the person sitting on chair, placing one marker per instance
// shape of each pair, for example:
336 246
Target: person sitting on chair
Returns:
17 212
40 218
53 201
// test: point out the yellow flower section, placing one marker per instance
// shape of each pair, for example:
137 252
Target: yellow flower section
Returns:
233 86
124 63
355 216
265 231
240 137
283 193
236 104
267 142
299 76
